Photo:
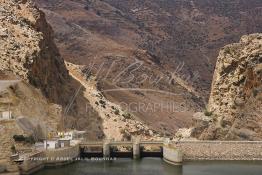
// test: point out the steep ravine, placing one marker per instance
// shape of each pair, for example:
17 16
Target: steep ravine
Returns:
117 123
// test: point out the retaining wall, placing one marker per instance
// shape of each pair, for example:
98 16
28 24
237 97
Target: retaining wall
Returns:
32 163
55 157
220 150
62 154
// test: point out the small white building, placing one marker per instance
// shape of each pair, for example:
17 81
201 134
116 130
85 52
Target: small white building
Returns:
39 146
50 144
55 143
62 143
6 115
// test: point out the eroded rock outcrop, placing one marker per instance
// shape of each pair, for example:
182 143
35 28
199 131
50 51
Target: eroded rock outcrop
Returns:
27 48
29 52
235 104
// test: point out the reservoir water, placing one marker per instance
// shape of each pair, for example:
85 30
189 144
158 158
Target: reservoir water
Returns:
156 166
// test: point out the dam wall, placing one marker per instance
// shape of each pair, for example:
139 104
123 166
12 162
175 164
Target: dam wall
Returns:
174 152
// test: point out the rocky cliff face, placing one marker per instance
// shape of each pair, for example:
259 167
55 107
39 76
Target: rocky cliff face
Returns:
29 52
27 48
235 104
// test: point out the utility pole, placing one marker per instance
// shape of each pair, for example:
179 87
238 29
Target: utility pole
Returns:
45 137
9 114
63 123
9 64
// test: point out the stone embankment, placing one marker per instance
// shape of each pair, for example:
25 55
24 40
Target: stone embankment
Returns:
48 158
220 150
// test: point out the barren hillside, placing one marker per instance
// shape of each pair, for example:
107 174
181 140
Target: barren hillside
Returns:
163 33
130 44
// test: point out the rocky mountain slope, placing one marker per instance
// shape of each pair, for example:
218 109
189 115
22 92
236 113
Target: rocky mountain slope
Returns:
42 94
235 104
34 82
169 32
28 49
176 40
29 53
118 124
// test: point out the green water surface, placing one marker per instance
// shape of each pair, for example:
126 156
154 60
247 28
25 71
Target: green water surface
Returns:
156 166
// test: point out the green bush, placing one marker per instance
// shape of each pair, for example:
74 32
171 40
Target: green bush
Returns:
227 50
19 138
127 116
13 149
30 140
116 112
127 136
122 131
208 113
102 102
255 92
